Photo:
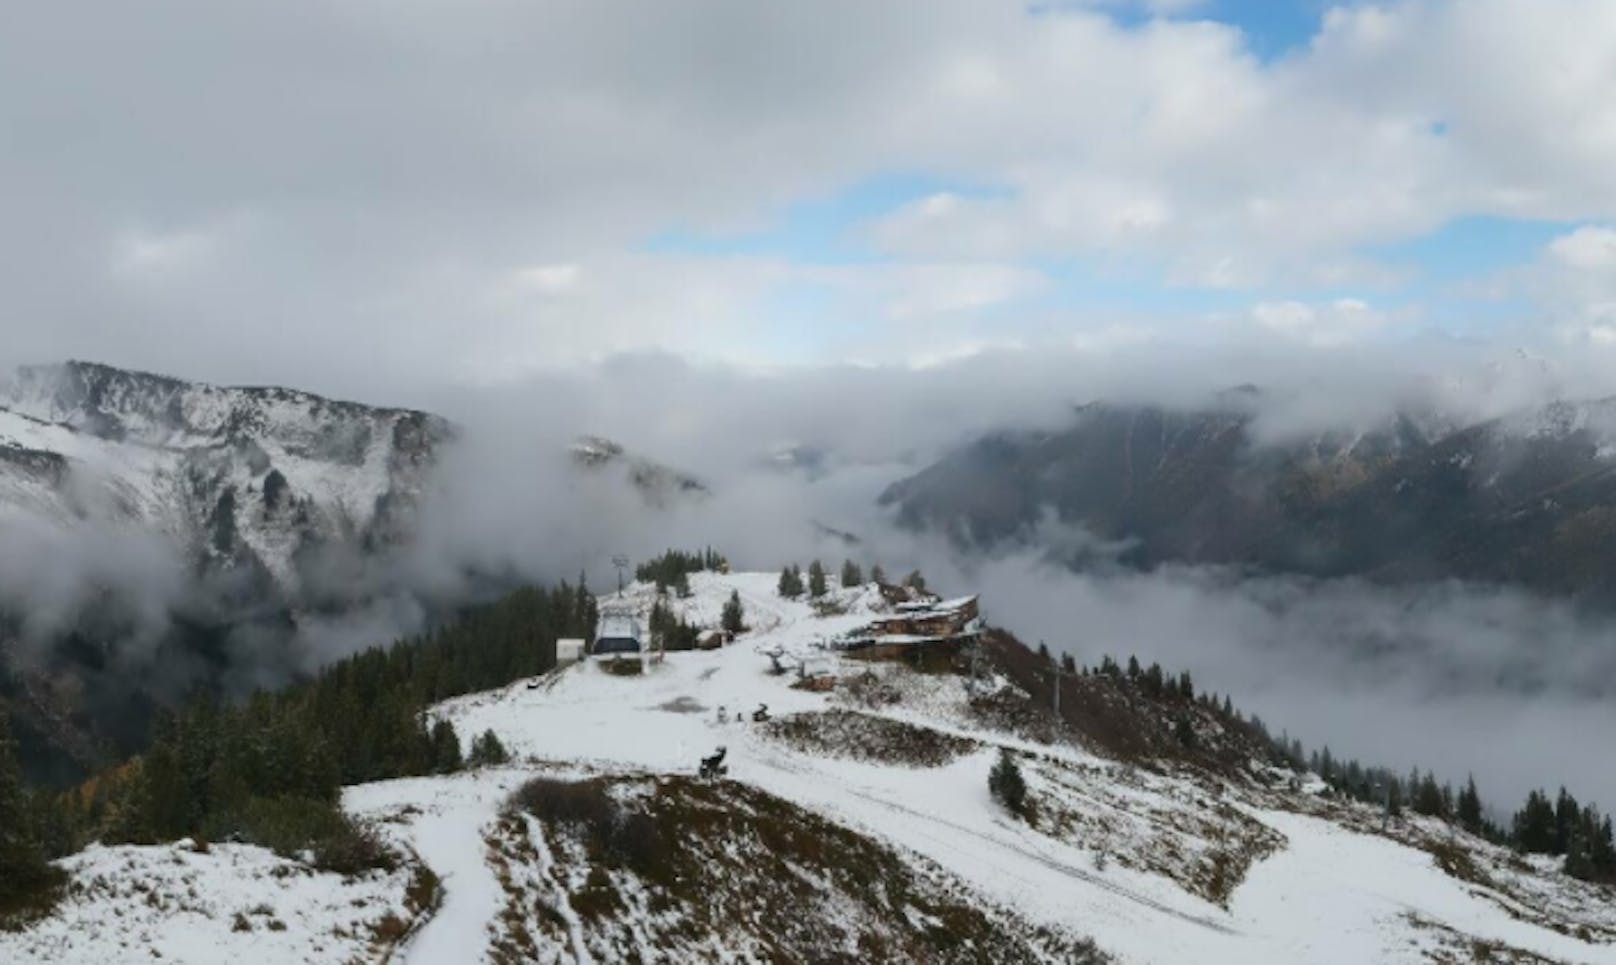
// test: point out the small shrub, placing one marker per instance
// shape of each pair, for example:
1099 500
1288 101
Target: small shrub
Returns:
390 930
424 890
621 837
290 826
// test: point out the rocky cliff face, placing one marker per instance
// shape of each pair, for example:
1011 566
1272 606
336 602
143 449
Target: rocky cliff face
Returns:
1527 500
254 507
251 479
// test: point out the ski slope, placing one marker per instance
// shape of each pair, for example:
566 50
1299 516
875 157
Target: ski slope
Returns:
1328 895
1124 873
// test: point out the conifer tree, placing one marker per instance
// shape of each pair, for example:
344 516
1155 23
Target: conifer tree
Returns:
790 585
24 874
878 575
915 581
488 750
445 748
851 574
1428 797
817 586
734 618
1469 807
1006 784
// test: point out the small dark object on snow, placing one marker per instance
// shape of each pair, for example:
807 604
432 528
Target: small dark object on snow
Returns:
761 714
533 684
713 767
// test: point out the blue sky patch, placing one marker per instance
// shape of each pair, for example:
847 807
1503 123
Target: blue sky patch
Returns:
819 230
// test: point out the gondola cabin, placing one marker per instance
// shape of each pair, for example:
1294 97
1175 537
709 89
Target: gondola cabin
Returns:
619 633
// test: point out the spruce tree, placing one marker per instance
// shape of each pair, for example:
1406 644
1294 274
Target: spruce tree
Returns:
1006 784
487 750
734 619
1469 807
1428 797
915 581
25 876
445 748
851 574
817 586
878 575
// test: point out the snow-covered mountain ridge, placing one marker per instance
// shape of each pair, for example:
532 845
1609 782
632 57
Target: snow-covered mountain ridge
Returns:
882 778
237 477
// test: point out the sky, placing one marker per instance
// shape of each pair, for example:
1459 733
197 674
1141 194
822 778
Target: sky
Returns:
357 196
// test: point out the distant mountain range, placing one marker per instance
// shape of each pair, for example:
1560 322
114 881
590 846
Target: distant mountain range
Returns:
247 479
1527 500
268 505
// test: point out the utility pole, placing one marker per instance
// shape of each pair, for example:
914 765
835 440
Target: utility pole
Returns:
1058 673
621 562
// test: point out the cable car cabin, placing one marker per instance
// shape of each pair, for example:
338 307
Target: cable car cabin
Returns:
619 633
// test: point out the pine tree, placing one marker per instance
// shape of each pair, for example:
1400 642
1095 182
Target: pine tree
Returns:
790 585
816 580
878 575
25 877
1566 816
487 750
681 585
1428 797
1533 826
734 619
915 581
1006 784
445 748
851 574
1469 807
1184 731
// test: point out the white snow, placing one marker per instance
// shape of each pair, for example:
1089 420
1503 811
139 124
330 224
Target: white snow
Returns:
234 903
1326 894
1329 895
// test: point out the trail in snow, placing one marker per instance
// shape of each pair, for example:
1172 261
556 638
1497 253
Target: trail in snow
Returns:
444 820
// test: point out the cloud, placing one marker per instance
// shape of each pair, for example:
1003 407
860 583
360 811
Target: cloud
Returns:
422 159
1335 323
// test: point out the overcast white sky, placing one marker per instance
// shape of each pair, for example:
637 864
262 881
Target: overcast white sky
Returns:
354 196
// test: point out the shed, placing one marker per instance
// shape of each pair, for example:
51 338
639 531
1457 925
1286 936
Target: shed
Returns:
711 639
569 650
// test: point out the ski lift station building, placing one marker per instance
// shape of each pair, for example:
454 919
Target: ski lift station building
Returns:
569 650
618 633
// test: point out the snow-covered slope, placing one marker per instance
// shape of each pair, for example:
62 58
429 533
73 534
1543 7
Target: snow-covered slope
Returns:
884 778
226 903
234 476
